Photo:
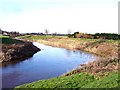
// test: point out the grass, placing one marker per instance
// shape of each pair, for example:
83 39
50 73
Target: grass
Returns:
1 36
22 37
82 80
39 37
80 40
109 81
8 40
34 37
98 67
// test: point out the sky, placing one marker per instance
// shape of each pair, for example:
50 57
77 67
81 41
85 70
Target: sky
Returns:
61 16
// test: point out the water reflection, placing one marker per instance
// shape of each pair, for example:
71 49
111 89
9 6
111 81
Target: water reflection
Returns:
47 63
5 64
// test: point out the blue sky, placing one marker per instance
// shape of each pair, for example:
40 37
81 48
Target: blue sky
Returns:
89 16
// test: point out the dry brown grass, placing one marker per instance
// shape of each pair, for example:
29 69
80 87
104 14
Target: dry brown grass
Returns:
99 67
100 47
108 50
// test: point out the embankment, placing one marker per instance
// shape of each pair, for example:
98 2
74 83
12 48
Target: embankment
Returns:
106 49
12 52
99 47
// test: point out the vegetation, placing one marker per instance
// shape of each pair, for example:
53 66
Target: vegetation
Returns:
23 36
34 37
82 80
109 36
1 36
8 40
99 67
70 35
46 31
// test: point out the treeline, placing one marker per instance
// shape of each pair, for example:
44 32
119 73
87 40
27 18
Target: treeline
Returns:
112 36
108 35
11 34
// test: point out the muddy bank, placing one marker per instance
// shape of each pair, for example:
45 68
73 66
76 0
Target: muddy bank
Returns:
21 51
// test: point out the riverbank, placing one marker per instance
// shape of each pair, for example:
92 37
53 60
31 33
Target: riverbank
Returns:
108 63
106 49
77 81
100 47
13 49
103 48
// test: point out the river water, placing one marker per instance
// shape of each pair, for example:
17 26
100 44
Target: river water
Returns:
48 63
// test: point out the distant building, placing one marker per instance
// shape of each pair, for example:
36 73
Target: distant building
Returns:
5 34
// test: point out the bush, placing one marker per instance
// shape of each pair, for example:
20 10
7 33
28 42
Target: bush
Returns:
70 35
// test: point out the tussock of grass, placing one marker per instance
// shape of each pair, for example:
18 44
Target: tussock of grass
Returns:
82 80
99 67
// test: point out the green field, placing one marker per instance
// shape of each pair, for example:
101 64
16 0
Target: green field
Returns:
82 80
1 36
81 40
34 37
8 40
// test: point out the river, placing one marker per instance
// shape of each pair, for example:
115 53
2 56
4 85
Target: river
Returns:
48 63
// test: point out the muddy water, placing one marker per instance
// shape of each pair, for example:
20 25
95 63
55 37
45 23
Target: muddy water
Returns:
48 63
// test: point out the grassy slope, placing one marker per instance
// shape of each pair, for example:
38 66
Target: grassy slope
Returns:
8 40
82 80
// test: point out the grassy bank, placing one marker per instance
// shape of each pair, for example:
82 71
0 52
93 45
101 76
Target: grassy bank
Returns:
8 40
82 80
103 67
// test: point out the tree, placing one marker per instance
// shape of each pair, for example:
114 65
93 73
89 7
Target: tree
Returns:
46 31
75 34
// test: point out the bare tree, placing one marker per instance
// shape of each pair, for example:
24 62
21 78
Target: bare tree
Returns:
46 31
